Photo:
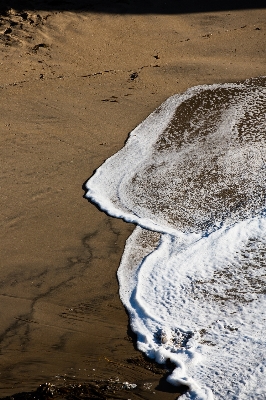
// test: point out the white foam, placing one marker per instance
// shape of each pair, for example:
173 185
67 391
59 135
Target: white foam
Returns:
194 171
203 307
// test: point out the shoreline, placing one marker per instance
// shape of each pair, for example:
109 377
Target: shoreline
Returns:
72 86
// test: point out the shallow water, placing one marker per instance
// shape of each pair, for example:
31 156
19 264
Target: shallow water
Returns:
192 277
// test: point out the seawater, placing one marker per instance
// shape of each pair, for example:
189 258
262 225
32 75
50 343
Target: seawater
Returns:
192 276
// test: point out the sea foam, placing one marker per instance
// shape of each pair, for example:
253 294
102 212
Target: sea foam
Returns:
192 277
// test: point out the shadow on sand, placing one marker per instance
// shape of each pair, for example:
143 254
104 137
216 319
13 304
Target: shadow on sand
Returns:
132 6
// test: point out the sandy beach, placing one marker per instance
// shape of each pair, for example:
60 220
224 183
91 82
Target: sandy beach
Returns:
74 81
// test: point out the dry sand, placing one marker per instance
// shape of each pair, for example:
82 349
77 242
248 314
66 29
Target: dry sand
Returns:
73 85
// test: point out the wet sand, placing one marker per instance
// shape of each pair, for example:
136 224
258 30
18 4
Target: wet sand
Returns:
73 85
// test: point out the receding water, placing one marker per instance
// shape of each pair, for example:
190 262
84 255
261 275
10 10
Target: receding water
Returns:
192 277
